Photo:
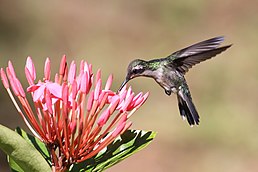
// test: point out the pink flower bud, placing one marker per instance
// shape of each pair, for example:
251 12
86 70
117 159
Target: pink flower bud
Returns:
4 79
109 82
97 90
103 118
63 65
72 72
47 71
31 68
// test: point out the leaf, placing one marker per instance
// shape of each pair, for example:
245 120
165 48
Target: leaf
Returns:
124 146
14 167
34 141
24 156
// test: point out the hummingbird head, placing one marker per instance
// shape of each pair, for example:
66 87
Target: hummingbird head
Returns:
135 68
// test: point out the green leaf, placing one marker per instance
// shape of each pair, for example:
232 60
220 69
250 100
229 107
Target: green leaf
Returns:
40 146
14 167
124 146
23 156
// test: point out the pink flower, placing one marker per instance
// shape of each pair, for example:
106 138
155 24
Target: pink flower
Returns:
75 113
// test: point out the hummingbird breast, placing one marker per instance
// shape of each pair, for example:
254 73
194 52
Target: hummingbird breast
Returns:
170 80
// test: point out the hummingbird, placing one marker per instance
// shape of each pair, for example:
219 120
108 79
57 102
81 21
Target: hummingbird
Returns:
169 72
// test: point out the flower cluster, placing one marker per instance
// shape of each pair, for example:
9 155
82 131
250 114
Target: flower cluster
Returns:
74 115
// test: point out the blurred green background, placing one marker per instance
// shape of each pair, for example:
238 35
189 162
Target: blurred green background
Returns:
109 34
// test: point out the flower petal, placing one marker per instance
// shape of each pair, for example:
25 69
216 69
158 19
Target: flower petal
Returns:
55 89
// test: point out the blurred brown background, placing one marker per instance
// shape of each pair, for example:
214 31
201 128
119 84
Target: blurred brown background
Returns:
109 34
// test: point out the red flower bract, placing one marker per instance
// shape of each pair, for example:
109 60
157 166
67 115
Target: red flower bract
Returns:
73 115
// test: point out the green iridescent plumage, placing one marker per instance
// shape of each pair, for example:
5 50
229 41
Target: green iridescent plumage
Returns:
154 64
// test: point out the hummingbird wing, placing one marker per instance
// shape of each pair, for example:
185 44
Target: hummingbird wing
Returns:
183 64
185 58
198 48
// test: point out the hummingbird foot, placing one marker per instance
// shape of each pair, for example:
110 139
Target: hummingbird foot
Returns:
168 92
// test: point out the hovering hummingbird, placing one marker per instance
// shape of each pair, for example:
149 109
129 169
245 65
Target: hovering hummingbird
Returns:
169 72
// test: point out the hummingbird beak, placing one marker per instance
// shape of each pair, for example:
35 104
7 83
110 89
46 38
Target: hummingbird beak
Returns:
123 84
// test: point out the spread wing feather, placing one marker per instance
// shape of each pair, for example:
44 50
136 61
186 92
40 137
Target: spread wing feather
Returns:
198 47
183 64
185 58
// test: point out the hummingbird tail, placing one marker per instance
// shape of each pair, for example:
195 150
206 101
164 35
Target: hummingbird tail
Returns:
187 108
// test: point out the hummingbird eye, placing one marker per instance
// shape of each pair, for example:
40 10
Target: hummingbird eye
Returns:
137 70
134 71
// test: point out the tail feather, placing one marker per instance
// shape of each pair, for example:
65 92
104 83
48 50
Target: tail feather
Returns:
187 108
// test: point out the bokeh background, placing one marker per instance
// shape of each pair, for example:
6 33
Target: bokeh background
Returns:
109 34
